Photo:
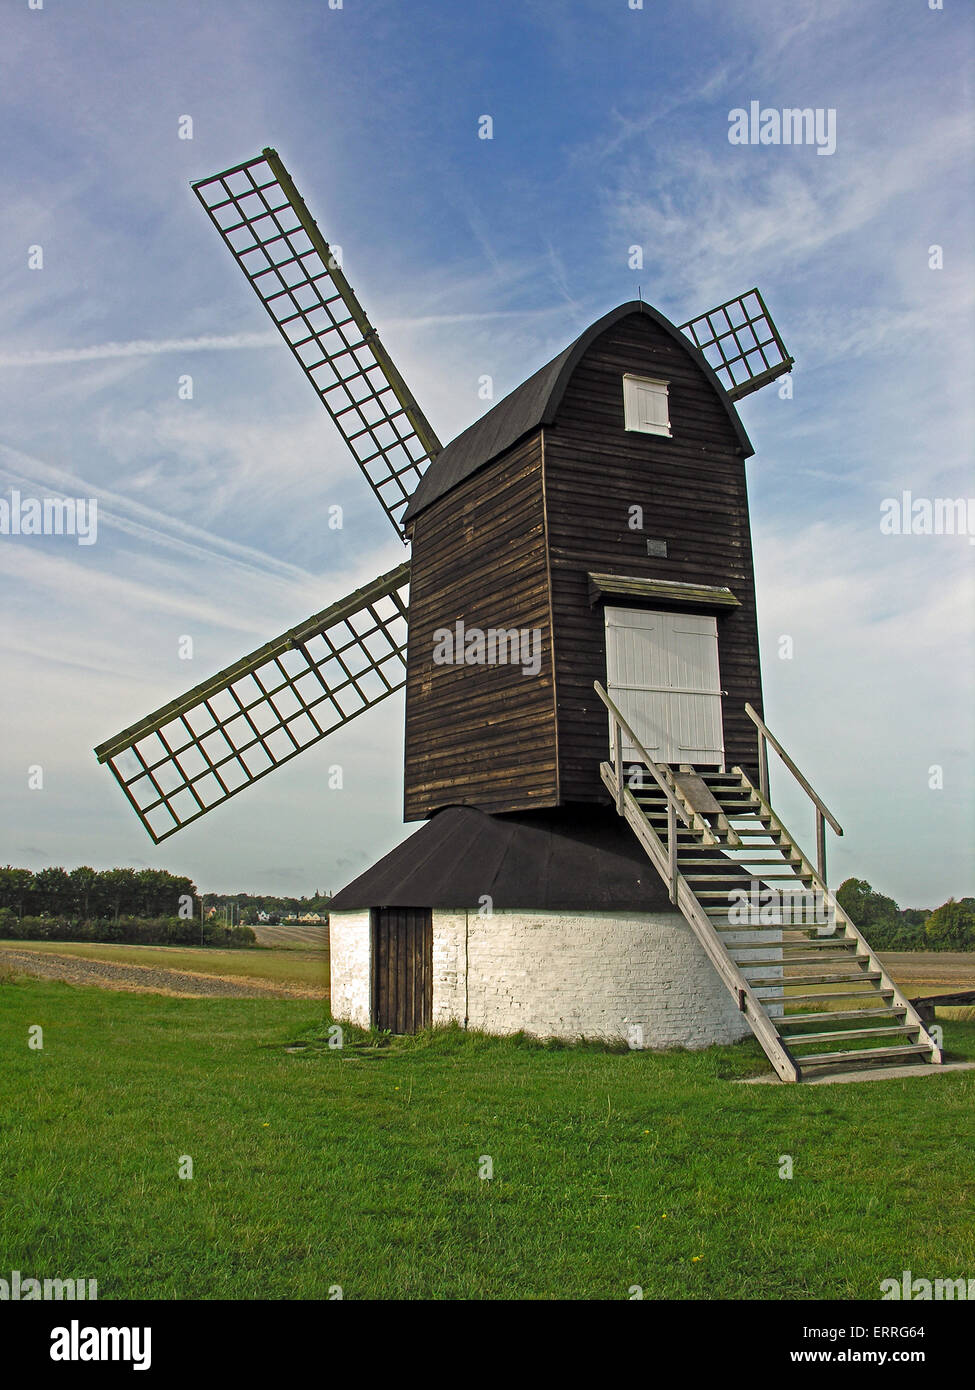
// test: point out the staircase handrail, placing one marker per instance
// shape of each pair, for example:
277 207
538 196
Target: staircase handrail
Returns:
823 813
674 807
620 723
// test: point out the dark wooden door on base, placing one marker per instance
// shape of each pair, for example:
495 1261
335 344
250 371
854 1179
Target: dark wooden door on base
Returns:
402 972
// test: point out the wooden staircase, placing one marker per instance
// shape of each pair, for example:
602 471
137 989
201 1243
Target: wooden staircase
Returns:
808 983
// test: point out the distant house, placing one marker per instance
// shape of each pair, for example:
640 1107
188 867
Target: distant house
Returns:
262 916
311 917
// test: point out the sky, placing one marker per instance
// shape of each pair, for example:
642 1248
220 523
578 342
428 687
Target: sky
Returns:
475 258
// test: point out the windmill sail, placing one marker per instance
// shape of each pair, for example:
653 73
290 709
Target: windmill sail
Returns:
276 242
236 727
742 344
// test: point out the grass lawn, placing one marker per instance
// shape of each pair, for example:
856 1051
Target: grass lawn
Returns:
284 965
359 1166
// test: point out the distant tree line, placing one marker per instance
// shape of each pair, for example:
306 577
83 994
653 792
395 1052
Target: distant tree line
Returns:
86 894
135 905
128 931
950 927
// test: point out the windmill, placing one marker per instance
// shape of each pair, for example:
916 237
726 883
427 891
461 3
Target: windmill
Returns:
581 585
231 730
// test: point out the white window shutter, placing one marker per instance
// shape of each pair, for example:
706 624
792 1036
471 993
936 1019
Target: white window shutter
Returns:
645 405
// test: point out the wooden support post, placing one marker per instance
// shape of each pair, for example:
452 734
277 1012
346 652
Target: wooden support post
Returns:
821 844
618 764
762 765
672 849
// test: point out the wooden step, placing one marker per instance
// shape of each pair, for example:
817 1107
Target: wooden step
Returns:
865 1054
736 876
866 976
807 944
811 930
747 851
736 862
794 877
660 818
819 943
843 1033
832 1015
821 960
707 893
830 961
774 926
810 941
836 994
737 872
843 949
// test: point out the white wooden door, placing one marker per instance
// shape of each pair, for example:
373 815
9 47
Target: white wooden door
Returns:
662 675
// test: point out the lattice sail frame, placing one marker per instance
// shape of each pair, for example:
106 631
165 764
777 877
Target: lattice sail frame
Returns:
236 727
276 242
741 343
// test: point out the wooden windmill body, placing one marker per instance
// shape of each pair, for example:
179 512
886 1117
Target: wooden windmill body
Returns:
550 513
584 733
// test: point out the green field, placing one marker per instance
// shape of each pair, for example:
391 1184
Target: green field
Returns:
359 1167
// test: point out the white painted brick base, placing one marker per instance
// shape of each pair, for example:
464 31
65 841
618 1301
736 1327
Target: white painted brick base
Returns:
565 974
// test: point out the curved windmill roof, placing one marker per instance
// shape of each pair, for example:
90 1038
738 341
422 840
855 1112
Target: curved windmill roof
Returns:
535 403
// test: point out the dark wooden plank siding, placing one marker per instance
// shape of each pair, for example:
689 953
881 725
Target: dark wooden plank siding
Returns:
692 491
402 977
481 735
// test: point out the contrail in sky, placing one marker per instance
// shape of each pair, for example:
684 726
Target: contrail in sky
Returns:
143 347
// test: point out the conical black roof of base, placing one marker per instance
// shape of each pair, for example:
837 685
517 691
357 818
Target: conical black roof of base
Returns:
582 858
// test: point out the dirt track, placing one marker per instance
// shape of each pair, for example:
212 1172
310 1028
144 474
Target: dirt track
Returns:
144 979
